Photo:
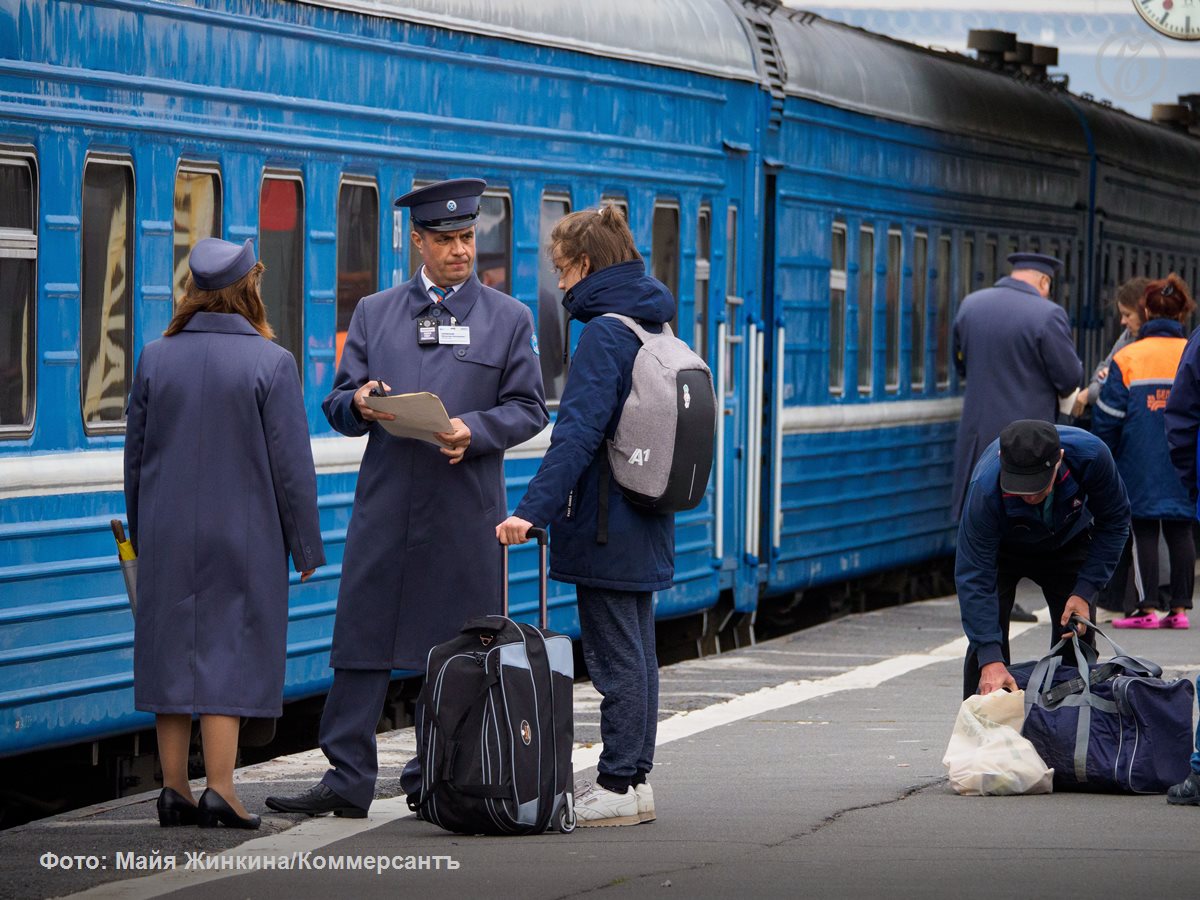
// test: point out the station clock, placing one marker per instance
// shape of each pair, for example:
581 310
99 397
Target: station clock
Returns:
1178 19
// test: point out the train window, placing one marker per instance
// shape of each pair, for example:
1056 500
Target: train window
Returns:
945 286
920 268
1160 272
967 279
703 273
1010 247
989 266
18 318
894 309
1147 271
106 326
732 301
664 252
281 249
197 215
866 307
837 311
550 313
493 242
1034 244
619 201
357 249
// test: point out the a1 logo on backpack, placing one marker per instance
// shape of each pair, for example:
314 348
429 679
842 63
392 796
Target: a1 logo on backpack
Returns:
672 410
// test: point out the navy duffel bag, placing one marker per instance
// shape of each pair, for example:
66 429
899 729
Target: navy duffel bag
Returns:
1112 726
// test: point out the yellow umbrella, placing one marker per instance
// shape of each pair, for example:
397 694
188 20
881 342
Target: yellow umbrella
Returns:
128 562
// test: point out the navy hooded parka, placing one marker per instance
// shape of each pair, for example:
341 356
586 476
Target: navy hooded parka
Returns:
640 552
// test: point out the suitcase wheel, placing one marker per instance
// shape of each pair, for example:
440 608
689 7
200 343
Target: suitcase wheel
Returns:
565 820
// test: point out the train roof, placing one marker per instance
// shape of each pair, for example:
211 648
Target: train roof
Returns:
699 35
855 69
851 68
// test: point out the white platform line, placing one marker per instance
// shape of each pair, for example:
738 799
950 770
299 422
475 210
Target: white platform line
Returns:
314 834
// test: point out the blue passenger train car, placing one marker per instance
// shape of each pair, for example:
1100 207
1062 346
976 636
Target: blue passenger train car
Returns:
819 198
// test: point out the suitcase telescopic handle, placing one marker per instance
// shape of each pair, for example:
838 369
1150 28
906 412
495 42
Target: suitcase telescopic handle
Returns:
539 535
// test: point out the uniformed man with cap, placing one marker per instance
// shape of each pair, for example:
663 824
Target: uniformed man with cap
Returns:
421 555
1014 347
1045 503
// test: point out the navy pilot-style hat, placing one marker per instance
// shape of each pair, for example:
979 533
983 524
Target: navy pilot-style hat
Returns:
1039 262
1029 451
445 206
216 264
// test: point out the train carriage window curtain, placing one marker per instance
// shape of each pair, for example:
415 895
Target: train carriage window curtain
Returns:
866 309
106 335
837 310
18 256
550 312
281 250
664 254
357 251
197 216
703 275
920 266
493 242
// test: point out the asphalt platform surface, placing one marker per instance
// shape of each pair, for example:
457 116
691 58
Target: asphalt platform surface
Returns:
807 766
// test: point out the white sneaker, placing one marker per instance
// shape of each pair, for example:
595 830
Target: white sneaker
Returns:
596 806
645 800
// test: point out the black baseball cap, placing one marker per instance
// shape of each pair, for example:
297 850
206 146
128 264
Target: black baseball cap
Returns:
1029 451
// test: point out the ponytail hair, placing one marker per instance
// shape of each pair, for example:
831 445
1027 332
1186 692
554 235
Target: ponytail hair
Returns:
602 235
1167 298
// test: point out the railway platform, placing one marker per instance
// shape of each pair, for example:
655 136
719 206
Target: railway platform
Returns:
809 765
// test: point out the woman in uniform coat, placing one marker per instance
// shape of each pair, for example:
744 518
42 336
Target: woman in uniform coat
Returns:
1130 418
219 490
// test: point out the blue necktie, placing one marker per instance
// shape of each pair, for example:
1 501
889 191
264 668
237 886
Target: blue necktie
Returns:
440 293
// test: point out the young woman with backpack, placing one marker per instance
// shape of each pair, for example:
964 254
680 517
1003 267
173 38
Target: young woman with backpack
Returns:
615 565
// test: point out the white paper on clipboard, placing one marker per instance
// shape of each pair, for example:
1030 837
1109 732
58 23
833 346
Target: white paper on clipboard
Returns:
419 416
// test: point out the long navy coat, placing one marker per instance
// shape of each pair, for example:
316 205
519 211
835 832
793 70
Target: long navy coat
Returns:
1015 349
421 552
219 490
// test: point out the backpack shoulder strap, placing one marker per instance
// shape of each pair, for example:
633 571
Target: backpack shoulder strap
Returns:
632 325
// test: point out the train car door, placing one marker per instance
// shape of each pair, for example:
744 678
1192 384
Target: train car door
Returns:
733 345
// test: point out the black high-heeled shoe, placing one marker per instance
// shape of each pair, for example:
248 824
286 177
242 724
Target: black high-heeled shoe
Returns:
175 809
213 809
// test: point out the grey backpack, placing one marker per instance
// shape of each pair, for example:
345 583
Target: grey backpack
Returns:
662 451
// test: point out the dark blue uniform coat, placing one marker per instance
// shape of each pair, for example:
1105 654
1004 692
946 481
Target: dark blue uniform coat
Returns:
1088 493
1015 349
421 551
640 553
1182 416
219 490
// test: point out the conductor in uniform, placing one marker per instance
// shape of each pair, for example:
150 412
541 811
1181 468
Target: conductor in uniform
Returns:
421 554
1014 347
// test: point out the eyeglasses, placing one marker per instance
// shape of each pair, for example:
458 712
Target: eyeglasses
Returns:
1168 291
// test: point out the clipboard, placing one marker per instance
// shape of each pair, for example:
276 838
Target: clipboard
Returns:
419 416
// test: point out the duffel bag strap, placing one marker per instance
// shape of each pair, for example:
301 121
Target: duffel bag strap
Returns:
450 744
1134 665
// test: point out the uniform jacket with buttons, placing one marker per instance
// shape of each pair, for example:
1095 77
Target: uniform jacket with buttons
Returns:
421 553
1129 418
1182 416
1088 494
219 490
640 552
1015 349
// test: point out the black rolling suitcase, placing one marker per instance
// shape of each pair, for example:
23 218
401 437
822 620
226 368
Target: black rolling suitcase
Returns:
494 725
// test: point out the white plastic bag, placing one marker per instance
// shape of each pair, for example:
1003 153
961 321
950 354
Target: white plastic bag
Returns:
987 754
